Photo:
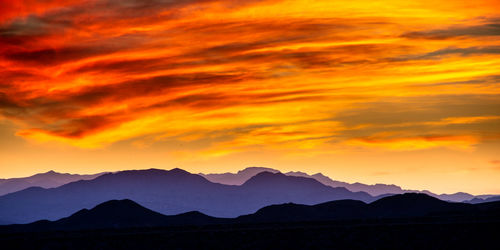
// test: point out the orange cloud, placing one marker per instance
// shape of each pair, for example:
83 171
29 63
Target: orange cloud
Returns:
94 73
417 143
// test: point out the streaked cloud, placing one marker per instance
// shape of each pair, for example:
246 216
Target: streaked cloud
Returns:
490 28
232 77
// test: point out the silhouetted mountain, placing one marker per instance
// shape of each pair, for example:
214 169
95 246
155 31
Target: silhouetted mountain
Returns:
169 192
485 196
290 212
482 200
112 214
409 205
380 190
374 190
121 214
456 197
237 178
117 214
50 179
412 204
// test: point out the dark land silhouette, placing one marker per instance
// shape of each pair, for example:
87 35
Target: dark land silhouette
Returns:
128 214
375 190
409 221
52 179
116 214
482 200
237 178
178 191
169 192
49 179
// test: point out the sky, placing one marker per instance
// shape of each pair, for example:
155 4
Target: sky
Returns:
399 92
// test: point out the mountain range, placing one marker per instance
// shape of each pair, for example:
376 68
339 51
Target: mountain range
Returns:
178 191
126 213
169 192
408 205
374 190
53 179
49 179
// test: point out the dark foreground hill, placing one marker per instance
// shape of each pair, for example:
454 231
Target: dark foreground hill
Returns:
424 224
116 214
120 214
402 206
169 192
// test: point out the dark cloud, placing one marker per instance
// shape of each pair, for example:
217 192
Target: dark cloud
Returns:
54 56
283 33
484 80
421 109
51 56
413 115
87 16
13 75
81 126
488 29
307 58
157 85
60 117
5 102
470 51
29 26
461 51
29 29
93 12
59 112
63 104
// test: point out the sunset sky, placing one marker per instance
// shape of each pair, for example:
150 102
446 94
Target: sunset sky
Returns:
399 92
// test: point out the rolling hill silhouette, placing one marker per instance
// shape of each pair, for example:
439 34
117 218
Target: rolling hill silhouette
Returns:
169 192
49 179
413 204
53 179
119 214
409 205
237 178
487 199
379 190
114 213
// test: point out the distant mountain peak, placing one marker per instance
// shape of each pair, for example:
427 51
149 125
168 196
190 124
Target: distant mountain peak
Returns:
49 179
297 173
319 175
237 178
173 175
268 178
176 171
409 198
110 207
115 208
120 203
262 176
48 174
179 171
257 169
